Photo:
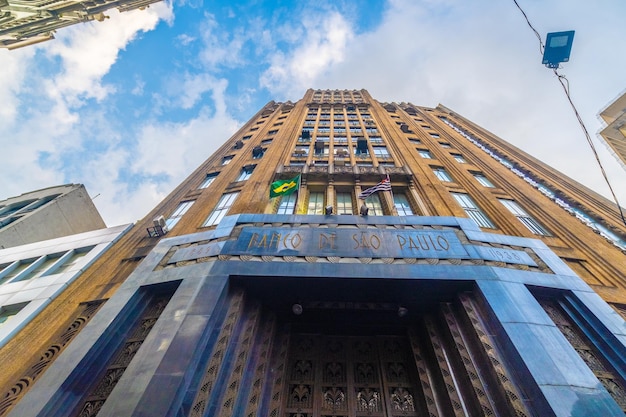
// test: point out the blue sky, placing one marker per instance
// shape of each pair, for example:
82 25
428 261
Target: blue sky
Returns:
132 105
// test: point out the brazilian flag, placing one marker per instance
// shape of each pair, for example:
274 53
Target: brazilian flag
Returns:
284 187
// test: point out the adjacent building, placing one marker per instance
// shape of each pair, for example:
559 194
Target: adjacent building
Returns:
614 134
24 23
47 213
420 266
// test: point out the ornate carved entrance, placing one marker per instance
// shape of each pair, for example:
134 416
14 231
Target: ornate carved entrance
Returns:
345 363
350 376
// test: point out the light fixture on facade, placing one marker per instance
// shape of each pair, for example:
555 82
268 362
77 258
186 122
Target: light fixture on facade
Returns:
297 309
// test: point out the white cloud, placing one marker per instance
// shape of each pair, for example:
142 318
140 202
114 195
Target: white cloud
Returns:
221 47
13 76
322 45
89 50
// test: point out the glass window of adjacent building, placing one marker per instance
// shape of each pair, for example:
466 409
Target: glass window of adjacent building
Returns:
208 180
482 180
226 160
40 267
15 207
374 205
15 269
316 203
71 259
287 204
472 210
442 174
445 145
424 154
8 312
344 203
245 172
402 204
530 223
178 214
225 203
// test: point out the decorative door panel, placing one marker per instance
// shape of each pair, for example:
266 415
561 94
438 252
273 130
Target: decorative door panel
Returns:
349 376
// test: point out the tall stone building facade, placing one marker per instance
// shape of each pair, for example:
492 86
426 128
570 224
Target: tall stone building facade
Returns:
481 282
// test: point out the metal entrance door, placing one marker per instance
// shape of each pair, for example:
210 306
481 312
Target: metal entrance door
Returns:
350 376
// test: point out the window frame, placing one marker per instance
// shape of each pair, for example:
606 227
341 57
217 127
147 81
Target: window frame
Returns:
208 180
425 154
375 205
245 173
344 203
222 207
317 208
483 180
403 208
178 213
287 204
473 211
442 175
526 219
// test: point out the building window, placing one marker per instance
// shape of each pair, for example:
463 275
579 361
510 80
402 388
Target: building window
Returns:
344 203
402 205
445 145
301 152
246 172
415 141
459 158
225 203
265 142
8 312
258 152
434 135
15 269
381 152
71 259
483 180
287 204
15 207
226 160
246 137
442 174
425 154
41 266
208 180
472 210
316 203
178 214
374 205
524 217
272 132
